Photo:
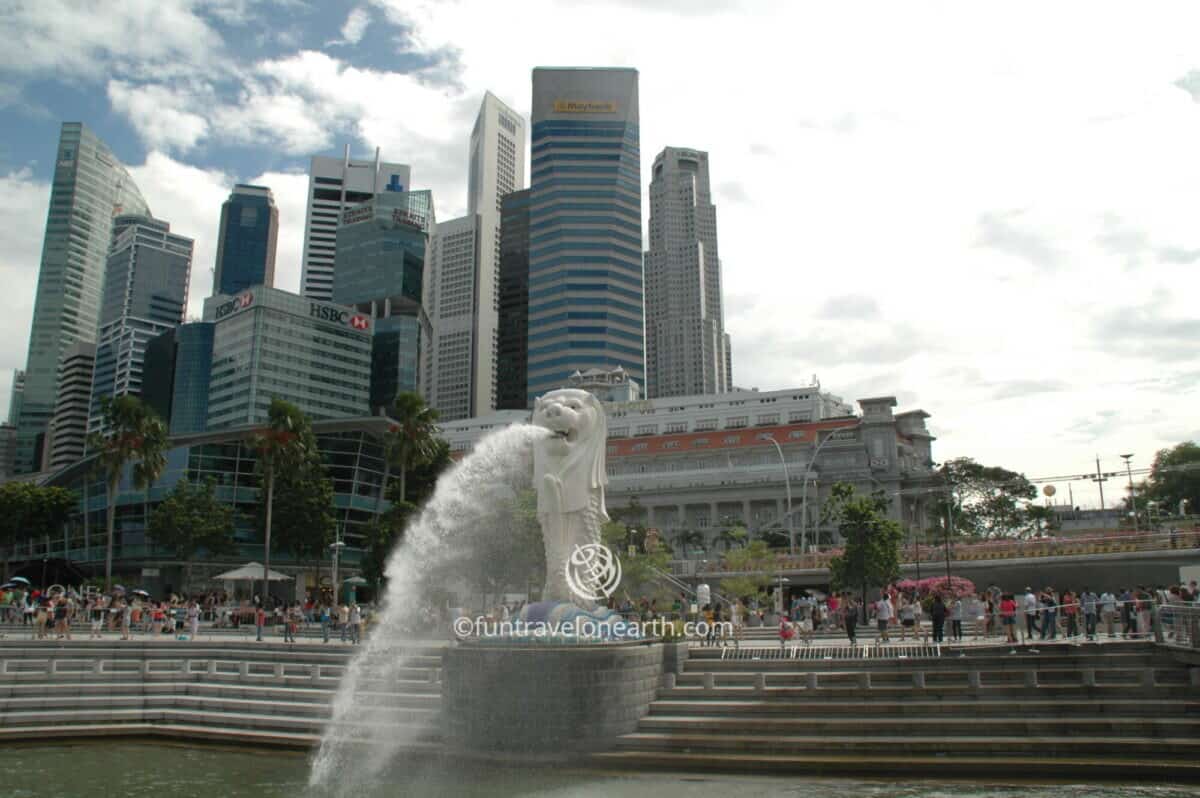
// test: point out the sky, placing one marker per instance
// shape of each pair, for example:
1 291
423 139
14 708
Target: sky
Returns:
988 210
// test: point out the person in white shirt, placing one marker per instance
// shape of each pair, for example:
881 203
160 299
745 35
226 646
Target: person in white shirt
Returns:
883 616
1030 605
1108 611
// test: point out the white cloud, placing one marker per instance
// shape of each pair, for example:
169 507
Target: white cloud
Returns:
83 41
1000 210
160 114
355 27
23 205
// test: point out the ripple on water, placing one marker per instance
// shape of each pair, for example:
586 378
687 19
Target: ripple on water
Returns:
169 770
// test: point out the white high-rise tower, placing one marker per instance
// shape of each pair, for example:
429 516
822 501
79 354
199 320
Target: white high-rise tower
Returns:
461 291
687 349
335 184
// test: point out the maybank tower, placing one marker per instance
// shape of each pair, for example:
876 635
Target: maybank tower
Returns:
585 226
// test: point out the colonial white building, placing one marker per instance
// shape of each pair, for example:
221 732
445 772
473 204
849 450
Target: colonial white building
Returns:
701 464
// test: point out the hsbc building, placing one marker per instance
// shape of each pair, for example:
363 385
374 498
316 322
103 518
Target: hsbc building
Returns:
268 342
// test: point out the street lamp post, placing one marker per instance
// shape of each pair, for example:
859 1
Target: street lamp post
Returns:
949 529
787 486
336 548
804 500
1132 494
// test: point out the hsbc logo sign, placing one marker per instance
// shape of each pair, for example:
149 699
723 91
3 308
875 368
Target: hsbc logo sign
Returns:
240 302
342 316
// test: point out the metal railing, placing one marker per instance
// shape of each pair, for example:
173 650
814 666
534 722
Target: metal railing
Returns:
1179 626
985 550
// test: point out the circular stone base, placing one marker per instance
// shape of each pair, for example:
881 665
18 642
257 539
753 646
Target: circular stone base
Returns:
547 700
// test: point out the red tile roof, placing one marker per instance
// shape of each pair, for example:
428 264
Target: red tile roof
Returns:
717 439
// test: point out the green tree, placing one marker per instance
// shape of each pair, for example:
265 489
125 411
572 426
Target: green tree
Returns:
732 537
641 571
387 529
28 510
130 433
1174 478
756 561
190 520
285 447
774 537
989 501
411 439
381 536
686 539
871 554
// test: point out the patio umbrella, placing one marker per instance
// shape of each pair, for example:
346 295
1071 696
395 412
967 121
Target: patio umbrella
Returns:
21 580
118 588
358 581
140 593
250 572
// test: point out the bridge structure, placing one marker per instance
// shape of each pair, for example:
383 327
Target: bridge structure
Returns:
1110 560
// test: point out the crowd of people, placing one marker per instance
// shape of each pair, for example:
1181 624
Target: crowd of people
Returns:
52 614
1017 617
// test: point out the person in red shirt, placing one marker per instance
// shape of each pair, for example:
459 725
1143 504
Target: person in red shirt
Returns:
260 620
1008 616
1070 612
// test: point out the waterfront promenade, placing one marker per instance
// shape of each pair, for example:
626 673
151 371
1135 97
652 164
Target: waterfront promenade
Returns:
1113 709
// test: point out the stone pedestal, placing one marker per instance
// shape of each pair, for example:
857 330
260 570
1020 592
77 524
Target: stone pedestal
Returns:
549 701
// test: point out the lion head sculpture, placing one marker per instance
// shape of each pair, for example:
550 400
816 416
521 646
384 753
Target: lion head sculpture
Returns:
573 452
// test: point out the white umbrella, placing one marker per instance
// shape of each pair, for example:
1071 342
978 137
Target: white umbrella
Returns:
250 572
356 580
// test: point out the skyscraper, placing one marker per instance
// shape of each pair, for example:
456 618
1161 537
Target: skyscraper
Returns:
16 398
497 165
334 186
585 227
460 299
512 351
269 343
382 255
686 344
178 376
90 187
246 242
145 294
464 271
69 426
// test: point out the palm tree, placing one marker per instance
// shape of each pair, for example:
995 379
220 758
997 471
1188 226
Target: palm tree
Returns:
130 431
280 446
409 441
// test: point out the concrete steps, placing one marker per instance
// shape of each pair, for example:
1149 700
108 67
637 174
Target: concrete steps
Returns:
1094 709
890 765
1159 748
997 727
259 693
970 707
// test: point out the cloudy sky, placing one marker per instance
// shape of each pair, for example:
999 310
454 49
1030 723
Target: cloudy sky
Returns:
991 211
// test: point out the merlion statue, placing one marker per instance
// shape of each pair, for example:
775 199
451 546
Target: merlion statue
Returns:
569 476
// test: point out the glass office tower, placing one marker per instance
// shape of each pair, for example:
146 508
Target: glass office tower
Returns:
145 294
246 242
90 187
270 343
382 249
178 367
585 227
513 327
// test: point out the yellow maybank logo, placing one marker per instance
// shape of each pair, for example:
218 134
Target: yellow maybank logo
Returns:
583 107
